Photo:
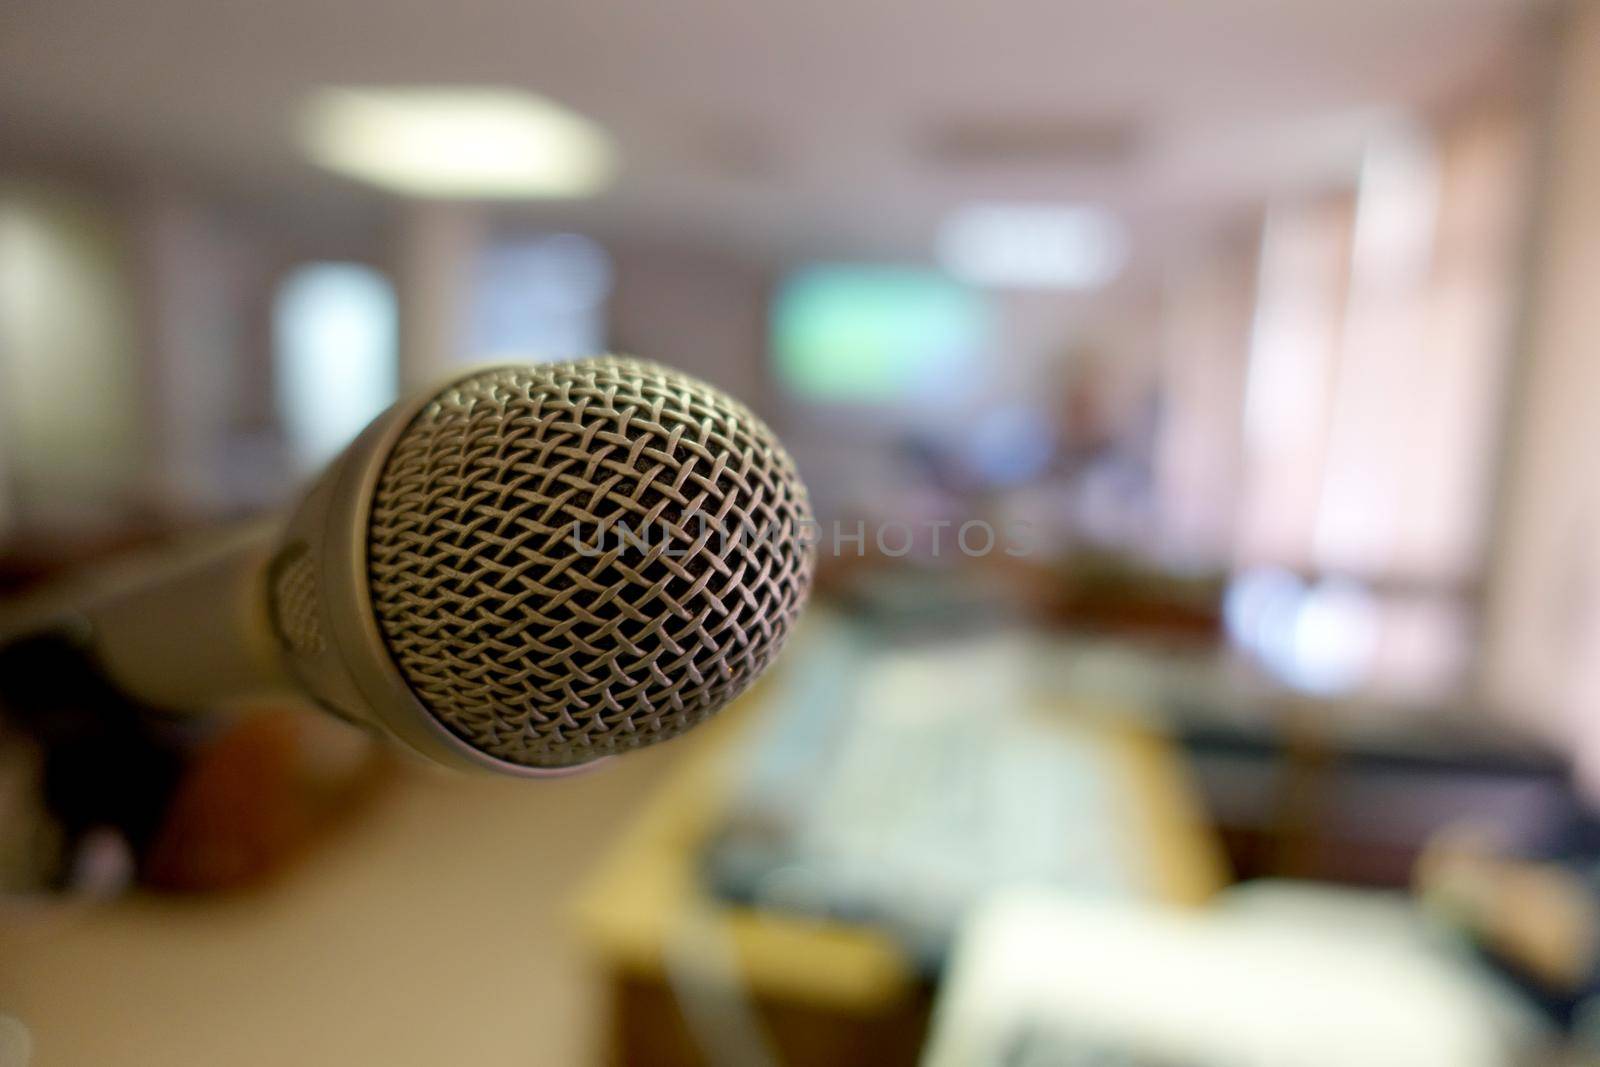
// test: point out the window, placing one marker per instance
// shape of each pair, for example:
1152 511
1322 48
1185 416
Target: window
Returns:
335 336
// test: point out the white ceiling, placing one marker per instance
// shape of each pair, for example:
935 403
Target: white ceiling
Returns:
801 128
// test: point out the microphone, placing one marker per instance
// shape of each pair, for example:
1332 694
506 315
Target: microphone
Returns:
529 569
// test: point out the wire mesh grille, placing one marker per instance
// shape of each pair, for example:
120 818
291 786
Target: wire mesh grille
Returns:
576 559
295 610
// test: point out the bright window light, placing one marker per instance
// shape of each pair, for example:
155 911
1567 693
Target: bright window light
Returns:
1033 246
457 143
69 397
335 330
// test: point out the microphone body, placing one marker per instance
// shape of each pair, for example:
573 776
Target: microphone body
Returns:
188 631
431 585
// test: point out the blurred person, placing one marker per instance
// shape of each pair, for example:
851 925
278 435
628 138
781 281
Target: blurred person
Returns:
100 793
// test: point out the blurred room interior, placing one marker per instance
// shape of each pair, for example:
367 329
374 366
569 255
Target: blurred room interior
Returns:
1277 742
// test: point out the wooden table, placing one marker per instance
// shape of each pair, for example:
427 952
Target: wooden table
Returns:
824 993
437 926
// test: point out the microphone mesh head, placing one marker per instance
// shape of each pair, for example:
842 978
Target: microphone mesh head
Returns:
518 608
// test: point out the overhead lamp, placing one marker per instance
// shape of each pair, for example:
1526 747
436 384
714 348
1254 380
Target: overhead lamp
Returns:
1001 245
457 142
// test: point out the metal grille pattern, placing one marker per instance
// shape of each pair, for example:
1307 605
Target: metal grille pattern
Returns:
295 610
508 597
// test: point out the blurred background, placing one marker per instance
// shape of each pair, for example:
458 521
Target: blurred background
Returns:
1278 744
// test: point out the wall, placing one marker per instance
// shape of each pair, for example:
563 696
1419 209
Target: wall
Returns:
1542 653
701 313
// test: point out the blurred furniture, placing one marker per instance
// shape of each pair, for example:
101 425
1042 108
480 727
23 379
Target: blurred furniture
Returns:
428 928
695 978
1107 593
1316 979
1319 792
896 782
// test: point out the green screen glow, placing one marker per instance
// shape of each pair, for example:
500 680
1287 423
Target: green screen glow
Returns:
873 334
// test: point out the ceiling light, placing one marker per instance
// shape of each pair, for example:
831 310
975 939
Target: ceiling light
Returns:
1033 246
457 143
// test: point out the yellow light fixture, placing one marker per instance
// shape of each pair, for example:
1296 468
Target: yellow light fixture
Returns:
457 142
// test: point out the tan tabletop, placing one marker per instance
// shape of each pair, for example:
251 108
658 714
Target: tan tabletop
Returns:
646 896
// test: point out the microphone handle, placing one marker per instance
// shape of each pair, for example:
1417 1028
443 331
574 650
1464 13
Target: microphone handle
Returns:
188 632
